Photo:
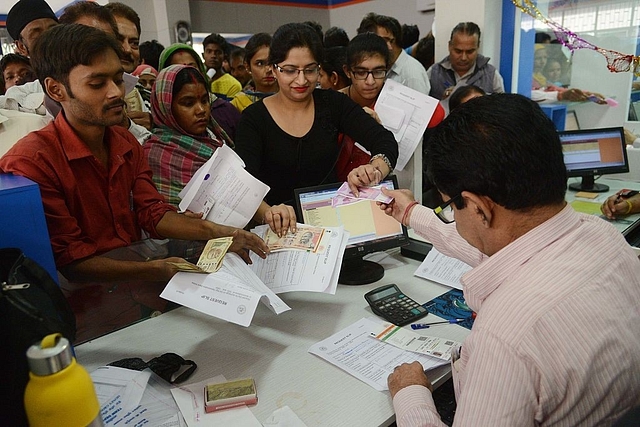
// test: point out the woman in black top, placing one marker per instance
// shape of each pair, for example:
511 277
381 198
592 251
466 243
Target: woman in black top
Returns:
290 139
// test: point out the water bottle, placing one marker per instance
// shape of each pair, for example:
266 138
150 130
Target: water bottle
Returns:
60 391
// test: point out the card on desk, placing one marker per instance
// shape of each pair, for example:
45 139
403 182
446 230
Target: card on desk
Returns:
586 195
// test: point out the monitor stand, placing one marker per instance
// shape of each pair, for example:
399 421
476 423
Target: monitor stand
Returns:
356 271
588 184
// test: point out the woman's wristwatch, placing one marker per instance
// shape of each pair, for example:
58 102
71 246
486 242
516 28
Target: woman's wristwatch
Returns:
384 159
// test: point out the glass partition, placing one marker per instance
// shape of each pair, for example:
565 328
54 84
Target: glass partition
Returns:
605 33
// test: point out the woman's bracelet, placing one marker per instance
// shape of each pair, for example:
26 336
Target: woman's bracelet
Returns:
406 212
384 159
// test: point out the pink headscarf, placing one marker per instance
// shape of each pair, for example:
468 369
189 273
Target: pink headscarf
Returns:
144 69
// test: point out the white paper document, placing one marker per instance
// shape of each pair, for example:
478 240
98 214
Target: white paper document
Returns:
223 191
406 339
232 293
190 400
129 82
134 398
288 271
111 380
357 352
442 269
405 112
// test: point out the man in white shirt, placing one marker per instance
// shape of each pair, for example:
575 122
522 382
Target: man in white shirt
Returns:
557 293
404 68
22 108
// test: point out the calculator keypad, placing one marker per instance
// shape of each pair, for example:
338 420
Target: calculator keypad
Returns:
400 309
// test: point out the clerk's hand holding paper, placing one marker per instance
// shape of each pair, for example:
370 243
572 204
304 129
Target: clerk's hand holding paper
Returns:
407 374
401 206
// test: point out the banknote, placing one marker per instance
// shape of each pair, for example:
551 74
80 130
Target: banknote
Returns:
373 193
187 267
305 238
365 193
211 258
342 200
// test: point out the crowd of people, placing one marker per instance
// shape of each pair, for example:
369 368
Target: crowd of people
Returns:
131 123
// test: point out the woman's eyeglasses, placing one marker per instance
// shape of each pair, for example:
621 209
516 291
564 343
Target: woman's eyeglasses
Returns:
364 74
293 72
445 210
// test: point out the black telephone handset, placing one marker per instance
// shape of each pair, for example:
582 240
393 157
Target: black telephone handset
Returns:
390 303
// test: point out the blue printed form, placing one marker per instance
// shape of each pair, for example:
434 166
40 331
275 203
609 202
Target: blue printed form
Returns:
449 306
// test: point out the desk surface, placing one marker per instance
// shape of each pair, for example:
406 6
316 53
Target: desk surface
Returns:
274 350
624 225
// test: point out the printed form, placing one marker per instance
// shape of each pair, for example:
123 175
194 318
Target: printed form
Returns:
356 351
405 112
231 294
442 269
223 191
134 398
298 270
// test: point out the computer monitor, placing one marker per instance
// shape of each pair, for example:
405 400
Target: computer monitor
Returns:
371 230
593 152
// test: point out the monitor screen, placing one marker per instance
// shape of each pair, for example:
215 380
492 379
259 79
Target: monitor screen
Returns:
592 152
370 229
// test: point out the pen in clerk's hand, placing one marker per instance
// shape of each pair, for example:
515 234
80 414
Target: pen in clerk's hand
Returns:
618 197
427 325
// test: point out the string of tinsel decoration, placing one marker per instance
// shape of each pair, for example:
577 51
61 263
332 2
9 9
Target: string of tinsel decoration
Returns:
616 62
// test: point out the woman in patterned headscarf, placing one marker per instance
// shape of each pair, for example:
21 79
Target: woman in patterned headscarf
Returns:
222 111
184 136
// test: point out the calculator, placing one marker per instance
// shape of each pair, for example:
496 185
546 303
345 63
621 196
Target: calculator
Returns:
390 303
